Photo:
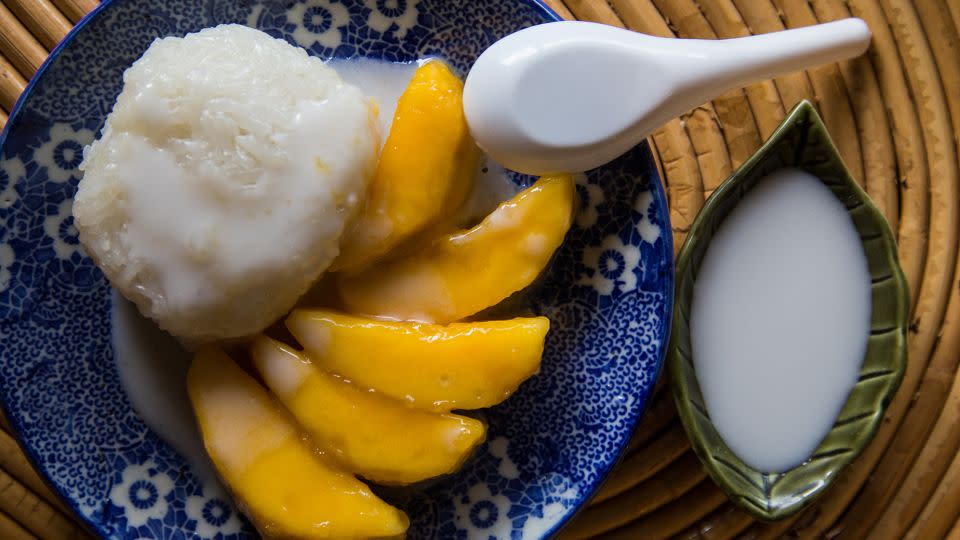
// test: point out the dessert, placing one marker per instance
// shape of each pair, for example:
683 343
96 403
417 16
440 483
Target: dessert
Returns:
235 172
428 366
277 479
226 173
465 272
425 170
367 432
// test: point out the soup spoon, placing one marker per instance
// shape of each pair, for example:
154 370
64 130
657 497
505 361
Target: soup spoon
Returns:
570 96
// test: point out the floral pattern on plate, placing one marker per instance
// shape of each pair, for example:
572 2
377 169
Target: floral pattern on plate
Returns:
608 293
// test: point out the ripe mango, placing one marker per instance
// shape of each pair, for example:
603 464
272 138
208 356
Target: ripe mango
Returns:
468 271
425 172
427 366
370 434
277 479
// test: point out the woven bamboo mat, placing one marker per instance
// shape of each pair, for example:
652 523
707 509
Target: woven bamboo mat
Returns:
895 115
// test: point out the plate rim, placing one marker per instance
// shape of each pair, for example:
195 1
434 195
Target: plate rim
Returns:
96 527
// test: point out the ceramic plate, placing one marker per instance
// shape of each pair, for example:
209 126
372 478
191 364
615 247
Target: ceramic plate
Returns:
608 292
800 141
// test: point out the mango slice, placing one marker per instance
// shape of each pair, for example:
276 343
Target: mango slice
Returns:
463 273
438 368
426 168
370 434
284 487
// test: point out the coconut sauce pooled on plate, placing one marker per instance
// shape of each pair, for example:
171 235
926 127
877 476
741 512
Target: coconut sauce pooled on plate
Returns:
780 320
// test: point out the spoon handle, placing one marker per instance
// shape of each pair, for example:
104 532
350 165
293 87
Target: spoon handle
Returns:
730 63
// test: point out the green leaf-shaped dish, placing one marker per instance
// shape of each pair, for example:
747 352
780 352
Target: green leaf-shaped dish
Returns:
800 141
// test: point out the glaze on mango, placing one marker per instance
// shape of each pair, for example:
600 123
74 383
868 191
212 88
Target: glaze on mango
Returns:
425 171
466 272
372 435
438 368
285 488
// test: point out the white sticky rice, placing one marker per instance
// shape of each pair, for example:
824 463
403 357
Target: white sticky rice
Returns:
224 177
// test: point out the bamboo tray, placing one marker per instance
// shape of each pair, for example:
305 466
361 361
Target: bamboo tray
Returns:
895 115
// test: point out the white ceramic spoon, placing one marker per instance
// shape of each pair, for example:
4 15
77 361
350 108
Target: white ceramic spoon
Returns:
571 96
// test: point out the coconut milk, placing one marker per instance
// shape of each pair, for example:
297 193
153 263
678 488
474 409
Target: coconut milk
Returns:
780 320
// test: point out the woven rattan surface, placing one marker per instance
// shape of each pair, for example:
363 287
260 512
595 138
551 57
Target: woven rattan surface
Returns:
895 115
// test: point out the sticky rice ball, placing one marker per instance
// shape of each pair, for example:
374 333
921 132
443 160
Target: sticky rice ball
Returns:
223 179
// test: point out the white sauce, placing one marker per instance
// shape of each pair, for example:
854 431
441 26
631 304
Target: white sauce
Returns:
153 366
780 320
382 81
153 370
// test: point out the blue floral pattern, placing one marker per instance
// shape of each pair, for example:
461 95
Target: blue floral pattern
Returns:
608 293
396 15
212 513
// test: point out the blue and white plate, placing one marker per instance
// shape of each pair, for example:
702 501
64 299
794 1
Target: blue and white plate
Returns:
608 292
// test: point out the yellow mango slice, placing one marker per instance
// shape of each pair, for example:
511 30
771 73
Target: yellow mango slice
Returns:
370 434
426 168
463 273
439 368
277 479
